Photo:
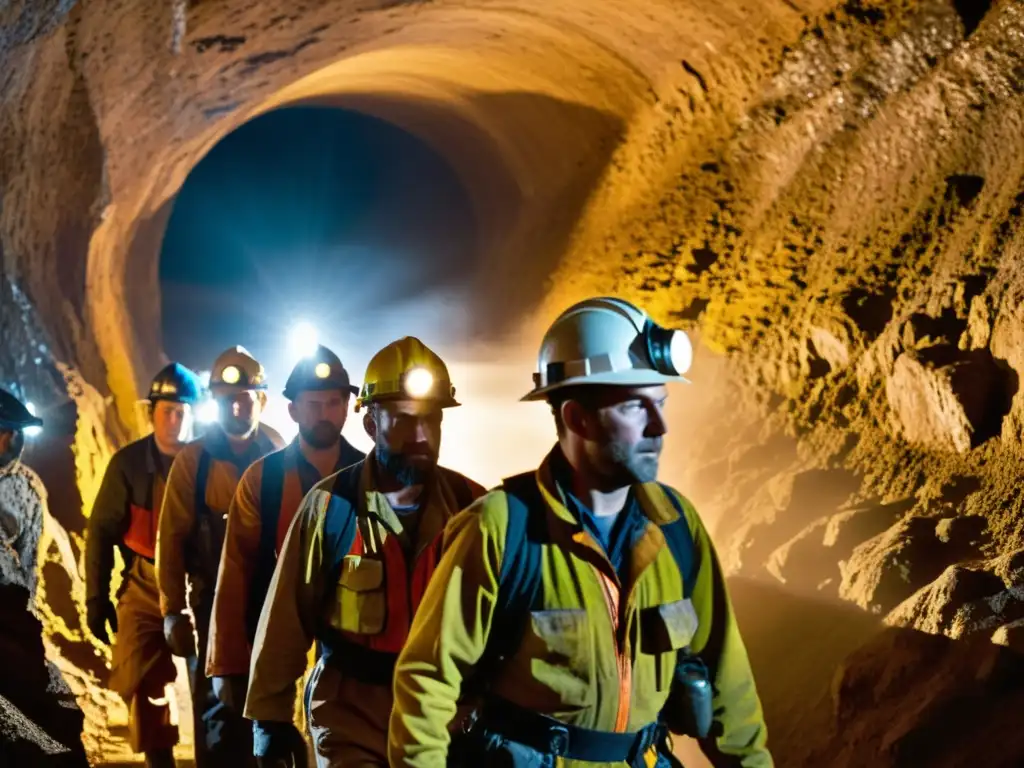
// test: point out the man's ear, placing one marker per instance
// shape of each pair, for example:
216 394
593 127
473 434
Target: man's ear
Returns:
292 412
261 396
575 417
370 424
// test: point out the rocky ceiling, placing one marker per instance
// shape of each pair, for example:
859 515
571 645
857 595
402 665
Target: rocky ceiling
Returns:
827 193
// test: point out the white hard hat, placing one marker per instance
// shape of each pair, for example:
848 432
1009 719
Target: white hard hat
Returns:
609 341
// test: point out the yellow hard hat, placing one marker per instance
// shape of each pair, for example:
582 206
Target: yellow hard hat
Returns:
407 370
235 370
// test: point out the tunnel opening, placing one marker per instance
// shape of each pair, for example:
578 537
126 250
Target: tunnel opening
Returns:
320 216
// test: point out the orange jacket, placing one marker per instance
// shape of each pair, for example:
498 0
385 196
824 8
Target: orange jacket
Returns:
182 554
245 557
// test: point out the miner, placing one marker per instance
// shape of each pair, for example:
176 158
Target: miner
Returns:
583 601
199 490
125 517
22 498
264 504
353 568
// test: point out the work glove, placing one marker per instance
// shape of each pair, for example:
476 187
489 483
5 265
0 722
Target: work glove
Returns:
278 745
179 635
98 611
230 691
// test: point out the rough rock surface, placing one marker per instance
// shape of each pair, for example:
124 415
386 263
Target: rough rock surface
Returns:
40 723
828 192
961 707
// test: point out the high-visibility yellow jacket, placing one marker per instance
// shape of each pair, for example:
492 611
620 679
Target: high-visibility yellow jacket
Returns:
595 653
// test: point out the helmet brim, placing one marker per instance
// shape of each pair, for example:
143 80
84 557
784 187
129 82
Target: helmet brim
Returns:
630 378
219 390
28 423
444 403
290 393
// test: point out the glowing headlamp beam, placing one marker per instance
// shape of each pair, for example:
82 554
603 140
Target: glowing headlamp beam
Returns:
303 339
207 412
419 382
31 431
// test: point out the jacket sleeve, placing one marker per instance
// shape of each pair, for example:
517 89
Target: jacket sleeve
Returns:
177 518
743 734
228 648
448 634
288 619
105 529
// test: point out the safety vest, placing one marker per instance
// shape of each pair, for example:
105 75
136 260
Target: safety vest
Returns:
378 589
281 493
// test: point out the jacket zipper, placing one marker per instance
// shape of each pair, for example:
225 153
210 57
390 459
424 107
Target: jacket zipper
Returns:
625 669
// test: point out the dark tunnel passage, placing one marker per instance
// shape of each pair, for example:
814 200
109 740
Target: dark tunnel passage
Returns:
314 215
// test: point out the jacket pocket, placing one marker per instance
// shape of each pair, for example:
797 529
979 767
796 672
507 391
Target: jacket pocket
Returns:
563 654
362 597
665 630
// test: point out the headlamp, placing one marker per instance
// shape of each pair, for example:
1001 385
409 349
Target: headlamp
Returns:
418 382
231 375
669 351
322 370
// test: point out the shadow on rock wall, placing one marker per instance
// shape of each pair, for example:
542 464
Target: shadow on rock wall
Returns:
840 690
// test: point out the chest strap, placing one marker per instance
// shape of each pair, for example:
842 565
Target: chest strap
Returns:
549 736
358 662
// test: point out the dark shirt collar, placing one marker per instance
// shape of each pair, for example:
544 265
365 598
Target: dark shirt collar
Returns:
308 474
627 529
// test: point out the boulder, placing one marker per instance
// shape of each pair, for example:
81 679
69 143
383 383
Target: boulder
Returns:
850 527
1011 636
943 399
886 570
964 600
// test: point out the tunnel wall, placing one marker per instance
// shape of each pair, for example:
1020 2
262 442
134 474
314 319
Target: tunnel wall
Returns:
827 193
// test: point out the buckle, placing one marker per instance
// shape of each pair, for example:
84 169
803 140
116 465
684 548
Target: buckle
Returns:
558 740
646 737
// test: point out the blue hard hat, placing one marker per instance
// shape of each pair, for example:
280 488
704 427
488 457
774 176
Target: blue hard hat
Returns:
177 384
14 414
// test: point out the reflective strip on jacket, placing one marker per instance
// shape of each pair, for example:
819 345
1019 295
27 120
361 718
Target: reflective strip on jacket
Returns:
229 645
180 555
575 662
362 593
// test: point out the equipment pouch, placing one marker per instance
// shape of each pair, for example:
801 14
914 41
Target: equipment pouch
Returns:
693 696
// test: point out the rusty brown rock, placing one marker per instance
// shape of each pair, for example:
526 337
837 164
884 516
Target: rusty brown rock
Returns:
907 698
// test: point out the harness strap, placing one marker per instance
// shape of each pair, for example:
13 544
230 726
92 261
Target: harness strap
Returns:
271 494
202 474
552 737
